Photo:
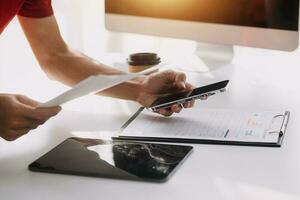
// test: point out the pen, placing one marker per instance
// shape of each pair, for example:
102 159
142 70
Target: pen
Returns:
226 134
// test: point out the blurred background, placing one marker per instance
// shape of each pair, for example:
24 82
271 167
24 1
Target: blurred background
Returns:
82 26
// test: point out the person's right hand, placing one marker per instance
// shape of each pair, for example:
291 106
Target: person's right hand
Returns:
19 115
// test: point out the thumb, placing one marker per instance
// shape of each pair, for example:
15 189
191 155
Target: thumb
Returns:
42 114
27 101
50 111
176 78
180 81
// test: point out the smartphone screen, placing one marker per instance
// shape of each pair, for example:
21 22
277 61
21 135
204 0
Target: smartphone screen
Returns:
182 97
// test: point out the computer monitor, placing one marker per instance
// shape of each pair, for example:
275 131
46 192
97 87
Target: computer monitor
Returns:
270 24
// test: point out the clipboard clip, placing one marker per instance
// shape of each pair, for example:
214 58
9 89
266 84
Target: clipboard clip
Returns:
279 128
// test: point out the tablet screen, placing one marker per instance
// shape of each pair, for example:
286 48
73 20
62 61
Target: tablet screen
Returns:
113 159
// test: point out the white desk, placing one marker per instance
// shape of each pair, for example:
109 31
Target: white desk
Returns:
260 79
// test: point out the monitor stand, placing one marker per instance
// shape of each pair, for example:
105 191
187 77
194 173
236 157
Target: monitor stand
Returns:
207 57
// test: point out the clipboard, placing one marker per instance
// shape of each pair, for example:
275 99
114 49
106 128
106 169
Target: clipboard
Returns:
277 128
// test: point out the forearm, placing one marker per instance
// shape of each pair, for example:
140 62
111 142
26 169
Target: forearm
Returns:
71 67
66 65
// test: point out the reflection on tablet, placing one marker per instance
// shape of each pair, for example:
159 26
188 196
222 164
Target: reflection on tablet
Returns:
113 159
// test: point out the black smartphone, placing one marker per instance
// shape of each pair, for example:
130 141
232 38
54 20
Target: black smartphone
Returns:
183 97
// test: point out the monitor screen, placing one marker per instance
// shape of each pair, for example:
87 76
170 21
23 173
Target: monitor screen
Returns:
273 14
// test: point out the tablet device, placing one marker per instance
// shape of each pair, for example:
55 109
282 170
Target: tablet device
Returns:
180 98
113 159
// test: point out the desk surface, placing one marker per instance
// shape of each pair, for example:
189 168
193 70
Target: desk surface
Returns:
259 79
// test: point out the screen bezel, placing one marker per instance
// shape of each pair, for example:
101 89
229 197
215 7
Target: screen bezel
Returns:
205 32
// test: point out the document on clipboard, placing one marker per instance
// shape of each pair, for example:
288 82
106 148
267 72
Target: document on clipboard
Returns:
209 126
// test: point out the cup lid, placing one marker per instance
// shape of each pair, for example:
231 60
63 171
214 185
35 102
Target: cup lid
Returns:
143 59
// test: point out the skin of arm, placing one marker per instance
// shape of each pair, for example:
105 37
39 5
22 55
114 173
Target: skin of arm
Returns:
69 66
20 114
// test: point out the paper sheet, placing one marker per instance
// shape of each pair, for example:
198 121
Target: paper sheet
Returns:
199 123
91 84
95 84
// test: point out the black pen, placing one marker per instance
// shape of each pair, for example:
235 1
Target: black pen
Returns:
226 134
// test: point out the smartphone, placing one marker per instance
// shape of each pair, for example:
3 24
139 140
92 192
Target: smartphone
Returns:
183 97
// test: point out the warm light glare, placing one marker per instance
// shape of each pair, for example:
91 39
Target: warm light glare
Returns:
256 13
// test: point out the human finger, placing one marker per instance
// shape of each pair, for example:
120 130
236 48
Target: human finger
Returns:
176 108
180 81
29 124
189 86
20 132
165 112
204 97
189 104
22 123
13 134
27 101
40 114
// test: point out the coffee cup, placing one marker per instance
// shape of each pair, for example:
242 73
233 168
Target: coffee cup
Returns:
139 62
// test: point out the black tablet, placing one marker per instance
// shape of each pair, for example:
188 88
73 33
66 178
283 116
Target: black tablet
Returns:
113 159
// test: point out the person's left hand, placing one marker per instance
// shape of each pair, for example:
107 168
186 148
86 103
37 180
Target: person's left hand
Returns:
161 83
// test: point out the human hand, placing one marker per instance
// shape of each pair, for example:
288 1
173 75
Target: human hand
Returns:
161 83
19 115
